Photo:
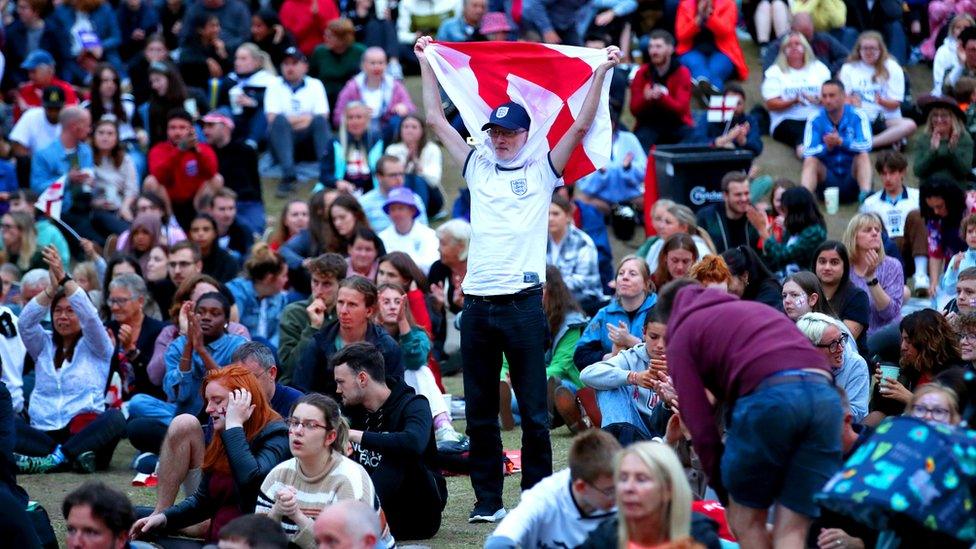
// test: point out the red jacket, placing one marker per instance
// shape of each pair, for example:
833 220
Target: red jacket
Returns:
182 172
30 95
673 107
721 23
296 16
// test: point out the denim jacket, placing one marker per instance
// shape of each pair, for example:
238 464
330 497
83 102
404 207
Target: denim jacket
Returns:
183 388
259 315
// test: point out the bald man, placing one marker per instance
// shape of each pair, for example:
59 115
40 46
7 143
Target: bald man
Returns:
348 524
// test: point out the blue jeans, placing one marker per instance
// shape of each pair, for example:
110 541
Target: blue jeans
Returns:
617 408
284 140
251 215
516 325
716 67
783 444
148 407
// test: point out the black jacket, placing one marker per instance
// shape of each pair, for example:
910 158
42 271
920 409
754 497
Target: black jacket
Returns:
241 239
220 264
250 462
726 233
862 18
314 373
146 346
53 40
238 163
703 530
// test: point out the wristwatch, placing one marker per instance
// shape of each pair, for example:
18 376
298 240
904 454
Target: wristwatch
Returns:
873 281
64 280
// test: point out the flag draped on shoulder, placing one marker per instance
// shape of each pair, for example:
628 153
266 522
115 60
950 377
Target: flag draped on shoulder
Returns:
550 81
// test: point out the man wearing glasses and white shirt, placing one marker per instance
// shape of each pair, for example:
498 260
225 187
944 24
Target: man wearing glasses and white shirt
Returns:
510 196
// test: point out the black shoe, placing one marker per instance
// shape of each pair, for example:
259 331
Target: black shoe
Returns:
285 188
85 463
479 515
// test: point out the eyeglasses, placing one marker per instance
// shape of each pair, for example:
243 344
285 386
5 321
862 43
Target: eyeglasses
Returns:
113 301
501 132
835 345
938 414
295 423
605 492
8 227
971 337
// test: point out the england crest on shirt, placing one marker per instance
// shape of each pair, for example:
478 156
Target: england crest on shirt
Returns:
519 186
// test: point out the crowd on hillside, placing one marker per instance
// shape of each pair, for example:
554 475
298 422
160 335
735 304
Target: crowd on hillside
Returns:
291 365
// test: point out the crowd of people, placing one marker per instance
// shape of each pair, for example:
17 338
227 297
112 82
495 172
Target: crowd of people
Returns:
285 372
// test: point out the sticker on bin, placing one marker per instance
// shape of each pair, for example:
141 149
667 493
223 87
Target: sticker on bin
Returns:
721 108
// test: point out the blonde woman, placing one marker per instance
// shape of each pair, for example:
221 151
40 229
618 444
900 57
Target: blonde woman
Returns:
881 277
875 82
791 89
20 241
243 91
935 403
943 147
653 501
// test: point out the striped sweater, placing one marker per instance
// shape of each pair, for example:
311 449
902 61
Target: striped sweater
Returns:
344 479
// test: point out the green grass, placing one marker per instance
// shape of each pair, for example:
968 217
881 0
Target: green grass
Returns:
777 160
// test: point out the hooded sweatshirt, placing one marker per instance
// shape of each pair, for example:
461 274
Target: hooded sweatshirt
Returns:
727 346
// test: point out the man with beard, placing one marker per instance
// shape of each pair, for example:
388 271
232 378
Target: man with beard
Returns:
660 95
727 222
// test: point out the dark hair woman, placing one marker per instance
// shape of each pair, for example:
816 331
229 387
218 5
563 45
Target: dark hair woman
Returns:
929 346
942 204
217 262
365 249
269 35
751 279
203 54
805 230
832 265
677 256
345 214
168 92
68 421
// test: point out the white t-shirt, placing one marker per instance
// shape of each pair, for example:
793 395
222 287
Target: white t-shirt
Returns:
308 98
790 84
858 79
892 215
509 223
547 516
421 243
946 62
373 99
33 130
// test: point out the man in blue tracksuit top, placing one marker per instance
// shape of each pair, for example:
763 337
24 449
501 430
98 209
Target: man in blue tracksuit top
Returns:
836 145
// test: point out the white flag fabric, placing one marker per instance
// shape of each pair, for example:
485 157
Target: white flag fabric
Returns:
721 108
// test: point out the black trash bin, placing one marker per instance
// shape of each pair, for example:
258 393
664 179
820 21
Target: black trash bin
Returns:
692 174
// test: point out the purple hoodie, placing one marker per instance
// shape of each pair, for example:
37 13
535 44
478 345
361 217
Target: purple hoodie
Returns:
727 346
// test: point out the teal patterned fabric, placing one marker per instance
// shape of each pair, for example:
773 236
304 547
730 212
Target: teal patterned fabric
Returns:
909 469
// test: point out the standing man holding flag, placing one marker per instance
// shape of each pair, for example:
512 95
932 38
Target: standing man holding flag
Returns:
511 187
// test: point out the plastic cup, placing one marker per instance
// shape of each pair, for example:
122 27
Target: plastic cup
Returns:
890 371
832 200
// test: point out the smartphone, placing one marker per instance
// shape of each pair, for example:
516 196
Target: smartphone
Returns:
73 161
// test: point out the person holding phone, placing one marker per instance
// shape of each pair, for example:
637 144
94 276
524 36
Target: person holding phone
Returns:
182 170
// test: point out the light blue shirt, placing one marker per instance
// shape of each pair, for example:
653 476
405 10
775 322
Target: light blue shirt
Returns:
183 388
51 162
614 183
259 315
372 203
951 276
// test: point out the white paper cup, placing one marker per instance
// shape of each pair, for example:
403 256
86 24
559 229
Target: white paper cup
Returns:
832 200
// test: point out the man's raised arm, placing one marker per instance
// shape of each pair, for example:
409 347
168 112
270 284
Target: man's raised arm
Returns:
456 146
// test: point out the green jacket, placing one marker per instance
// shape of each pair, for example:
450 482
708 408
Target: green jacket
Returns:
414 348
953 163
560 357
294 335
780 254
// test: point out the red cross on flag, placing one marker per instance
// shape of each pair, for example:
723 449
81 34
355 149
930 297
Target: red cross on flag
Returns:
721 108
50 200
550 81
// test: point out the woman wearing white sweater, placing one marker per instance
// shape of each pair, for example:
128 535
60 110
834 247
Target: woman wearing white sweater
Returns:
875 83
318 475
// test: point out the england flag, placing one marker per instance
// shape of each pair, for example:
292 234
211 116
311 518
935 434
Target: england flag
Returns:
550 81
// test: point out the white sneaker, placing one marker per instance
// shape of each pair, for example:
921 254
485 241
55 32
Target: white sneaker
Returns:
921 281
447 434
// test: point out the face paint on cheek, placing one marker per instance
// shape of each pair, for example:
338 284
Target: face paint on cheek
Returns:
800 302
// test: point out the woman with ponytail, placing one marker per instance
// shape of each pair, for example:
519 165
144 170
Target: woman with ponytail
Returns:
319 473
260 294
249 439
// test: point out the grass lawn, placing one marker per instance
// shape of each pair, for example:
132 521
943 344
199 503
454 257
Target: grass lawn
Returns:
455 531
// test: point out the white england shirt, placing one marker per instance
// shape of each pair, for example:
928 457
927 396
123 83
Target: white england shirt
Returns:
892 215
547 516
509 223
